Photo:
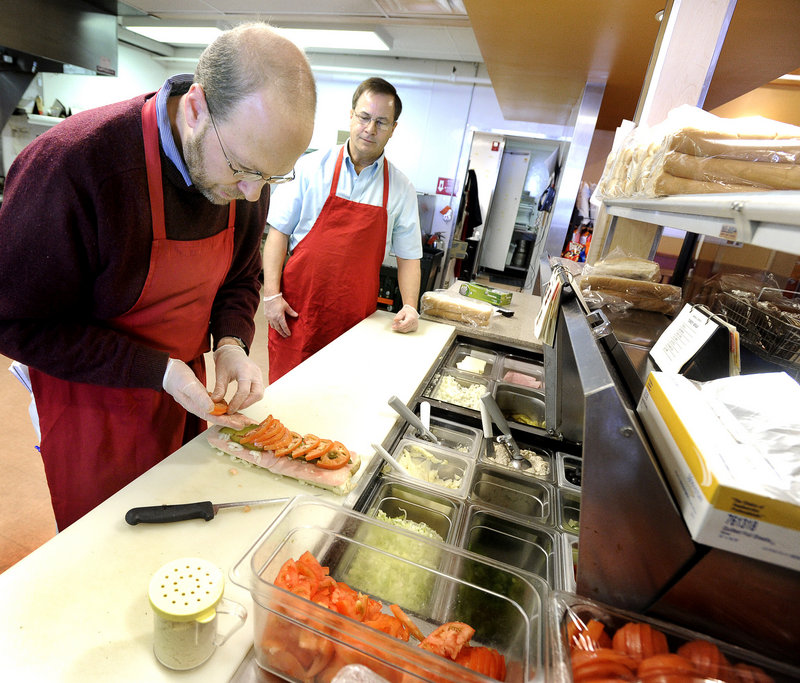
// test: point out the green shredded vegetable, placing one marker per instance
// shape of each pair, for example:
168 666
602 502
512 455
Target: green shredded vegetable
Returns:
391 579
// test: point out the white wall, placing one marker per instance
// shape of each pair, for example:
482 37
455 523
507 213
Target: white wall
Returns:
441 107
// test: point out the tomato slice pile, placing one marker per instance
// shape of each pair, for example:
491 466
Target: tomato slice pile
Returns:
638 652
307 656
272 435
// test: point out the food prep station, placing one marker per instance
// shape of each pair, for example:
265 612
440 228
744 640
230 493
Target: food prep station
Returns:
516 545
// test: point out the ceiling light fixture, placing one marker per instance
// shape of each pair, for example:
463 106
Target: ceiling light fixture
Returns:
330 39
660 15
178 35
304 38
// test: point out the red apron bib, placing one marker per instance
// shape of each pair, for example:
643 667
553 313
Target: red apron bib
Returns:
332 277
97 439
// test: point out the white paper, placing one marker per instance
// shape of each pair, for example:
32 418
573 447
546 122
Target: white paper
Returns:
683 338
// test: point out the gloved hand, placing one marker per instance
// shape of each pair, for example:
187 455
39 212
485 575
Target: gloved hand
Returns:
231 363
182 384
406 320
276 309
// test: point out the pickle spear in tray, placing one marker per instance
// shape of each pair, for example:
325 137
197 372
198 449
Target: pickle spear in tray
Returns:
306 458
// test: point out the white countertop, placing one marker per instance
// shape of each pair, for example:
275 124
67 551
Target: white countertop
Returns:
76 609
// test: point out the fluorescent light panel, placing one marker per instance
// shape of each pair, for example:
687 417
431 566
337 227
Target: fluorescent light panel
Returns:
178 35
307 39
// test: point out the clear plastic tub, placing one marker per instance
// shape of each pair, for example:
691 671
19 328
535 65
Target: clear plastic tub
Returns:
569 562
301 640
528 546
456 437
472 359
570 471
508 493
568 513
569 614
439 468
521 372
521 404
542 460
458 388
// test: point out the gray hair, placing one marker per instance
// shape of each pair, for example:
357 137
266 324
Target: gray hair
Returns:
249 58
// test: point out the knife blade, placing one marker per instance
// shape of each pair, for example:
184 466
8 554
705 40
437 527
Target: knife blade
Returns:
158 514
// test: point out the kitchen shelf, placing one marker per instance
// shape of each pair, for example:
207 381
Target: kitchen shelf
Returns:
764 219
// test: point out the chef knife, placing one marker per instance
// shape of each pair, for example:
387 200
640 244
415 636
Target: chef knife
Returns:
156 514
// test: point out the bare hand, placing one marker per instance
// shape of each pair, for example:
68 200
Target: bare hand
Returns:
276 311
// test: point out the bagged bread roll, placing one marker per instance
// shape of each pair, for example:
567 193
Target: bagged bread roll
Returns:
442 303
625 292
733 171
626 266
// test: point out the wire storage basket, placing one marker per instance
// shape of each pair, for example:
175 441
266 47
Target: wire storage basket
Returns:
766 326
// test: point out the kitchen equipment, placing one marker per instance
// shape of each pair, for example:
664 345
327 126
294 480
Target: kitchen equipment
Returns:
338 538
453 435
410 417
380 450
425 414
431 466
157 514
186 597
518 462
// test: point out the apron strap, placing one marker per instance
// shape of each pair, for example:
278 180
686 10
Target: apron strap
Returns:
152 157
337 169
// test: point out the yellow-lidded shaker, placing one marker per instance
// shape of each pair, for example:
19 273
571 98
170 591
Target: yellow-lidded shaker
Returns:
186 595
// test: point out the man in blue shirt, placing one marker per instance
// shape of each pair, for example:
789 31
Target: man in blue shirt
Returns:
347 209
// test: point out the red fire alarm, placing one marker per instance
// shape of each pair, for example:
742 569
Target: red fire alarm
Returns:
495 145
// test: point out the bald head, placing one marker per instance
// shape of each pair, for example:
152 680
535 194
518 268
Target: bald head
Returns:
252 59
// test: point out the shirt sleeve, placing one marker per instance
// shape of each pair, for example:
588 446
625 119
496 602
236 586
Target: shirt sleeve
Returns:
406 240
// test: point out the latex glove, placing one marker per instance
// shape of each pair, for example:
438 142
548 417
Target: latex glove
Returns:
406 320
231 364
182 384
276 309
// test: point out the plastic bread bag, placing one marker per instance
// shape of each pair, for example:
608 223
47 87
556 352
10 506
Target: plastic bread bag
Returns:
622 293
450 305
620 264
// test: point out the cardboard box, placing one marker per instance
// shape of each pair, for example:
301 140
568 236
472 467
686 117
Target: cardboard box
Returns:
730 495
495 297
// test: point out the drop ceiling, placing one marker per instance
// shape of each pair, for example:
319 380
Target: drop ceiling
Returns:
538 53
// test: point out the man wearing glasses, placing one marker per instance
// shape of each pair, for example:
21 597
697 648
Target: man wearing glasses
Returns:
348 207
131 239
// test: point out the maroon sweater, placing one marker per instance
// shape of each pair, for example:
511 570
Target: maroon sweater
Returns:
75 236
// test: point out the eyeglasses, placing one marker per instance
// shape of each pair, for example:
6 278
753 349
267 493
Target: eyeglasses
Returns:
366 119
248 176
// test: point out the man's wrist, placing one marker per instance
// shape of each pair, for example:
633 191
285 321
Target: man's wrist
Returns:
232 341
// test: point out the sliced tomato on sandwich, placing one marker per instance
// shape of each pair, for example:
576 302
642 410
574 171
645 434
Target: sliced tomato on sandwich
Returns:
321 449
335 458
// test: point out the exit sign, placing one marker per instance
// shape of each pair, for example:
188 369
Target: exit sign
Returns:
444 186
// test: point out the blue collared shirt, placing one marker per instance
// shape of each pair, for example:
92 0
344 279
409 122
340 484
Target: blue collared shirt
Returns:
294 207
164 128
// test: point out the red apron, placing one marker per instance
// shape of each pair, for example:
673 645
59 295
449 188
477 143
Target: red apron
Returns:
332 277
97 439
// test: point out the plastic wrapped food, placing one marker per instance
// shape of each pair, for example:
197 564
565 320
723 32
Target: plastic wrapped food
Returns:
693 151
442 303
624 282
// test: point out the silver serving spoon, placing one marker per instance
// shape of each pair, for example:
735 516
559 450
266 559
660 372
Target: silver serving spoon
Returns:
518 461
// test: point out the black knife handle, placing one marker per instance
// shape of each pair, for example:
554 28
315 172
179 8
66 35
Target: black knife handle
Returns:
157 514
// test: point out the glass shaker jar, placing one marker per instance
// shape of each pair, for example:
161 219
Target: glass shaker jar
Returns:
186 596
